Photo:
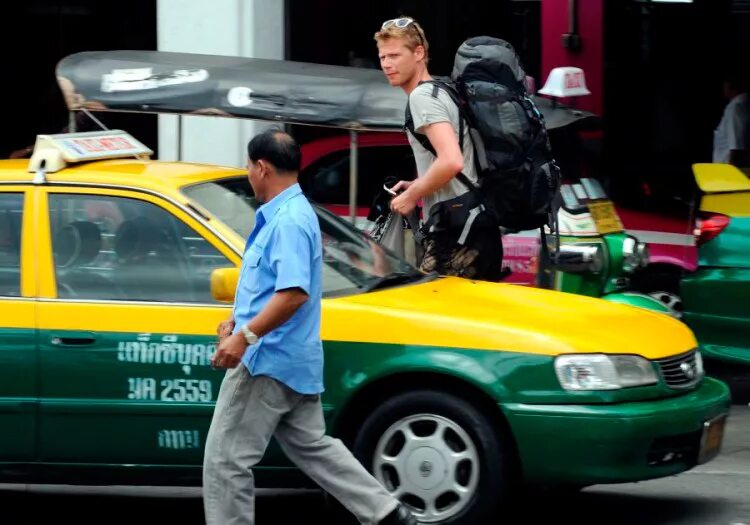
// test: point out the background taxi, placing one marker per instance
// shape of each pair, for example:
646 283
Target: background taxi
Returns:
717 293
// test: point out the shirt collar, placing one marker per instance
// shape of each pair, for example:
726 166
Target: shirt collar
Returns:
269 209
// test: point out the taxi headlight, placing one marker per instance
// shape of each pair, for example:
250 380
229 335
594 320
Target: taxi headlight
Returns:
603 372
635 254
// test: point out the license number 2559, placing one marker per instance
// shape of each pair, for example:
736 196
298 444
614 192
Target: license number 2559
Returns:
170 390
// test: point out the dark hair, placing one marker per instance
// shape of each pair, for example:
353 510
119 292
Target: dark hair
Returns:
277 148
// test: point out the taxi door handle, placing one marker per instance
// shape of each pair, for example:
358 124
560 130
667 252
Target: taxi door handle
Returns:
73 339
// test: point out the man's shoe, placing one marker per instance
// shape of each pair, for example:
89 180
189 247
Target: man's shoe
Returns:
400 516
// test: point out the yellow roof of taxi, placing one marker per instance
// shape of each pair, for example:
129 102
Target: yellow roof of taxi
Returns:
122 172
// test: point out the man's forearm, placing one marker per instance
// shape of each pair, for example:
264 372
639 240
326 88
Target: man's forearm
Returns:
279 309
439 174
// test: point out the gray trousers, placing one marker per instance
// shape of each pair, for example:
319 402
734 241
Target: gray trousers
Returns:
252 409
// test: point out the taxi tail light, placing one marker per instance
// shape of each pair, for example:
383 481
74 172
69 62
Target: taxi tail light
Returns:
708 226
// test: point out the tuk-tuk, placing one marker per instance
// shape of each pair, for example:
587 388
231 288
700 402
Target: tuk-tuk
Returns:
596 256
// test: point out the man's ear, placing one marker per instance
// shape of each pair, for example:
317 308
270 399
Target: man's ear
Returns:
263 168
419 52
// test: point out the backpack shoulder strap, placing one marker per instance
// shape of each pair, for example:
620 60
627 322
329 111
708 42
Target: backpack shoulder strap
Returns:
419 137
452 92
422 138
437 85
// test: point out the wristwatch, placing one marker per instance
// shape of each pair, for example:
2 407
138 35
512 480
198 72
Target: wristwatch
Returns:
250 337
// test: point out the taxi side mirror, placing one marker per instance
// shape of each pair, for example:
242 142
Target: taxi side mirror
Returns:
224 284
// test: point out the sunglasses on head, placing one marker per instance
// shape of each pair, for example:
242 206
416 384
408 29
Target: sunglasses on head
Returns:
398 22
402 23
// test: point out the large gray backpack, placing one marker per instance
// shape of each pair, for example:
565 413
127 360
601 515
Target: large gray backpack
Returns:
519 179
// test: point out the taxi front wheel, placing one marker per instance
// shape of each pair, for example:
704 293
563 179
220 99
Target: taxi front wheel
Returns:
437 454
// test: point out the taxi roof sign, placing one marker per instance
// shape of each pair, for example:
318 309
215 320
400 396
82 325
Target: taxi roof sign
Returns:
53 152
565 82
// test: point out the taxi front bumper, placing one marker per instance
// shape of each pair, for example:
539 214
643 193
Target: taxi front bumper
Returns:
616 443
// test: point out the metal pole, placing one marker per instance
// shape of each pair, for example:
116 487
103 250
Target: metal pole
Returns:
572 17
353 154
72 122
179 137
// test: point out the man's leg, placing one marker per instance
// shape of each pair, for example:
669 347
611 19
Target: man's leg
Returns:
301 434
240 431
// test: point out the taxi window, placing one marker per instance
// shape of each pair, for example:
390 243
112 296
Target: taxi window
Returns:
116 248
11 209
231 200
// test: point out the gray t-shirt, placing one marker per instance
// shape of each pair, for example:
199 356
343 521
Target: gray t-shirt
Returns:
425 110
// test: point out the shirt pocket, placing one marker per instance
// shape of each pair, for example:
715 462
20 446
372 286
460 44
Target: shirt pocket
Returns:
252 274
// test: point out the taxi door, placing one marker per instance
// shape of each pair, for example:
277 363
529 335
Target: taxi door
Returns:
127 327
18 351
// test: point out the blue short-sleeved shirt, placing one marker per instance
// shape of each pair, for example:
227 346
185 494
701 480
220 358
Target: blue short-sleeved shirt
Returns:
284 251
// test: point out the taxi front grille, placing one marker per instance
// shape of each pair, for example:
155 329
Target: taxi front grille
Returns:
681 371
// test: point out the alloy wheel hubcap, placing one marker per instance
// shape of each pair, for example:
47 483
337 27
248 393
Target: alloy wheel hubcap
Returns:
430 464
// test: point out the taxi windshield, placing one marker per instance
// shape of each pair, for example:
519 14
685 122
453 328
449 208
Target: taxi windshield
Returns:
352 263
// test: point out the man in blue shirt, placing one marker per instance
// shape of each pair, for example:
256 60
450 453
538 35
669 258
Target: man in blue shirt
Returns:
274 331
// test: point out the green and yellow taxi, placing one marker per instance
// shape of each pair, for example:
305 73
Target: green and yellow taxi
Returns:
716 296
115 271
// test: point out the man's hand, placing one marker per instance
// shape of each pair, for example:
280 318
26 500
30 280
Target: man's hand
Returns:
279 309
225 328
405 203
402 185
230 351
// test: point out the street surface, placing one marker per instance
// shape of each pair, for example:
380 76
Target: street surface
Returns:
717 493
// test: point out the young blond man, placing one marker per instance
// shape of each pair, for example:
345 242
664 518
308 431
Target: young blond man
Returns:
404 54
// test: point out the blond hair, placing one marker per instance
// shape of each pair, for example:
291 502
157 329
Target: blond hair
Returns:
412 35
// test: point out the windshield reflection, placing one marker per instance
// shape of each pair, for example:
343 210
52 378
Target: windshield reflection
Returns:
352 262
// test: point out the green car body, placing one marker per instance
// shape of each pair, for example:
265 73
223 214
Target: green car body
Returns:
716 297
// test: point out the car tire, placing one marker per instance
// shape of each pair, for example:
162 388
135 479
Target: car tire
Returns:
444 451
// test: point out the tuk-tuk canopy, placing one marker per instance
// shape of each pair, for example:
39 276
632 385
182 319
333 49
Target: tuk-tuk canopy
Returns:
269 90
350 98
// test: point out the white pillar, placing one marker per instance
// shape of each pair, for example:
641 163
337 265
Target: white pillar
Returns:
250 28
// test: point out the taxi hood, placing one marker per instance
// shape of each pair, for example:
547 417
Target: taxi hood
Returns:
458 313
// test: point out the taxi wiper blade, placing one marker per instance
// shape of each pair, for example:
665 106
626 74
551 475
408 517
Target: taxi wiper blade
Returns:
395 278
